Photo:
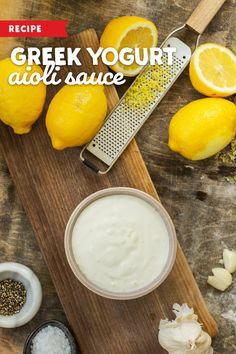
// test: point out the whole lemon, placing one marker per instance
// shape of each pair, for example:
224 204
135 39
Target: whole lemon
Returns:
202 128
75 115
20 105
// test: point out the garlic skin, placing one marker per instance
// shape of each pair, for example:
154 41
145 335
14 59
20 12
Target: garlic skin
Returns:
229 258
184 335
221 279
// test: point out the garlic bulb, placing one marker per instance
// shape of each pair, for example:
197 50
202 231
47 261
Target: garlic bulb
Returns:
184 335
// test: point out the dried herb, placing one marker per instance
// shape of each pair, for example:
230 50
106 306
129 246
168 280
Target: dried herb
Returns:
12 297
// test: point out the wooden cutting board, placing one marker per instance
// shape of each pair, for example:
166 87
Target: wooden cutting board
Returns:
50 185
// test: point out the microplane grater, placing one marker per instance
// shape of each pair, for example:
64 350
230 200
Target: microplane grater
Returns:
125 120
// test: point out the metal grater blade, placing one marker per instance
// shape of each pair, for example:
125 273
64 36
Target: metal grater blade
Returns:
136 105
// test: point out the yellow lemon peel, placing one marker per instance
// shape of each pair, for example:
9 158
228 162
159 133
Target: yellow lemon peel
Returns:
202 128
75 115
20 105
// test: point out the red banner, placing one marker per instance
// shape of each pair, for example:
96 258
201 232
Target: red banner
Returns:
31 28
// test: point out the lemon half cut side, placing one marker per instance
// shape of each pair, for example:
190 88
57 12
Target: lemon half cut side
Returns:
213 70
129 32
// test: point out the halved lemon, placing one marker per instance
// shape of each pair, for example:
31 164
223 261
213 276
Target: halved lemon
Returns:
129 32
213 70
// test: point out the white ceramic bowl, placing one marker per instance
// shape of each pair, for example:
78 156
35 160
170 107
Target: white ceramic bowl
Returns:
19 272
172 242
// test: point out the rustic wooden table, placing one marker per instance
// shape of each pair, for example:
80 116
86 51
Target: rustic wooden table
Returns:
199 196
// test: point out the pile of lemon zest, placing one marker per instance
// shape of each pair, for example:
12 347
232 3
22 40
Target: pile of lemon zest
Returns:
229 154
148 86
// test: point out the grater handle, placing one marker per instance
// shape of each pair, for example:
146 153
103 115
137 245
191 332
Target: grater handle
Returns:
203 14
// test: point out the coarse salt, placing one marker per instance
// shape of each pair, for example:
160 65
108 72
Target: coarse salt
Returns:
50 340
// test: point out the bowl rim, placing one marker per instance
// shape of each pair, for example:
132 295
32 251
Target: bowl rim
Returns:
54 323
28 275
171 233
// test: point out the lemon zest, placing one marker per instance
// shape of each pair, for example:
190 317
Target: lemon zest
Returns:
148 86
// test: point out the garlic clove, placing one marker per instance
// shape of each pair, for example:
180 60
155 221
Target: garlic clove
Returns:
203 344
221 279
229 258
209 351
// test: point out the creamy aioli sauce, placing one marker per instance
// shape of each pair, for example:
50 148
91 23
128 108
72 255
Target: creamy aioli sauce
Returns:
120 243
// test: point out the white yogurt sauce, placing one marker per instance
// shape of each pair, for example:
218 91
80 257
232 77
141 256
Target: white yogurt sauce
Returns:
120 243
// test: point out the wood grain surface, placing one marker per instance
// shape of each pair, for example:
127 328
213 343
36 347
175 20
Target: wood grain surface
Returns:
200 196
203 14
50 185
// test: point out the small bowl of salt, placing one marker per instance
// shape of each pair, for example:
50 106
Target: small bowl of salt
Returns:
51 337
